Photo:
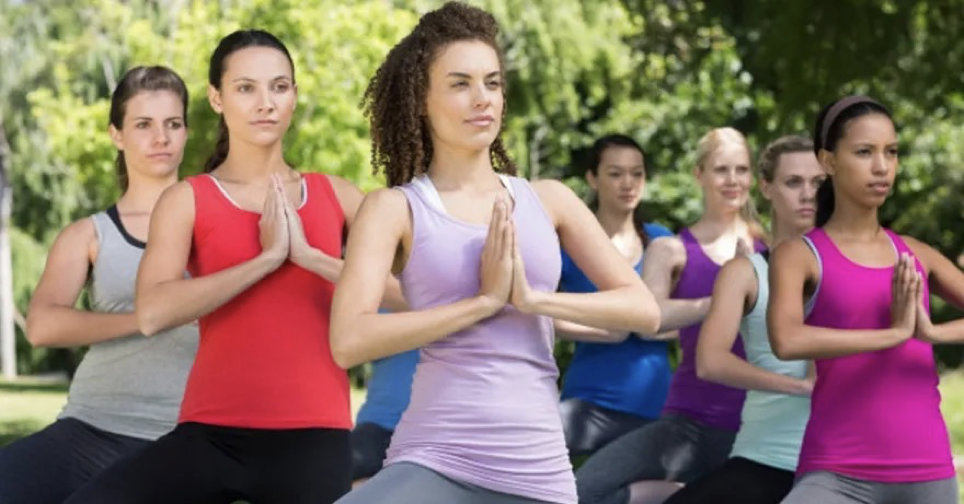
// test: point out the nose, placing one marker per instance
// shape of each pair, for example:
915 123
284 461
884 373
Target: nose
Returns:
161 135
481 97
265 101
879 163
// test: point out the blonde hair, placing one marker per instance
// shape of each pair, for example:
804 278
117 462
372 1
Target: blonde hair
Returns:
711 142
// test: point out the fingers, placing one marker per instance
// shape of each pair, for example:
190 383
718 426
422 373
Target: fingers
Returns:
495 240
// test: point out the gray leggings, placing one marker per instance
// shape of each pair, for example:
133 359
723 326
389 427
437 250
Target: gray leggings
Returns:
832 488
673 448
408 483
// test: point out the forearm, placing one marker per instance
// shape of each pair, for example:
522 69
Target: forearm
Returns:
320 263
949 332
364 337
616 309
578 332
680 313
732 371
62 327
809 342
663 336
177 302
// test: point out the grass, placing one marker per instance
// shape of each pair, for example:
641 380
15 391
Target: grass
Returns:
27 406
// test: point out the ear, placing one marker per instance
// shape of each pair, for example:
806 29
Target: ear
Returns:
116 136
766 188
591 180
214 98
828 161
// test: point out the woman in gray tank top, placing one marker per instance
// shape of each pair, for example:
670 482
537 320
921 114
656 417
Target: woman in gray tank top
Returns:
127 390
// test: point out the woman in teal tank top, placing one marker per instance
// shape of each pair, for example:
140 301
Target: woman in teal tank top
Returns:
764 456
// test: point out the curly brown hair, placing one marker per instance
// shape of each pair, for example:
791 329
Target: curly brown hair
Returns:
394 101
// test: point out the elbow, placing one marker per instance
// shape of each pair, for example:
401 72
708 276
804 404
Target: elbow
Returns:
651 320
781 347
37 335
341 351
148 320
705 370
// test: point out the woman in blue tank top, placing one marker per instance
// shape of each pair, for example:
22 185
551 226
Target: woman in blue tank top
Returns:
761 466
483 423
617 381
127 390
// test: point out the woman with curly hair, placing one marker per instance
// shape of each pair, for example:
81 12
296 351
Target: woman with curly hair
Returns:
483 423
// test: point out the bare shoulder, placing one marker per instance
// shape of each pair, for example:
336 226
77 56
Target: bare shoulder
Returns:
918 247
666 248
793 254
737 269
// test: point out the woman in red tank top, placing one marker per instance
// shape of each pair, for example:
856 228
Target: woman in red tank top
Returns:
266 412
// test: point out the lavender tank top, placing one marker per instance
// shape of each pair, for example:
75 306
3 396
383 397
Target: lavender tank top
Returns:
711 403
874 415
484 400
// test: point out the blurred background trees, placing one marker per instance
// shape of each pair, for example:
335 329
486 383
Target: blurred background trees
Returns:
663 71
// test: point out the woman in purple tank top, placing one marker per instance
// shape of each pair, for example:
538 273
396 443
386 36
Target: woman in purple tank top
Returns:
477 254
875 433
700 419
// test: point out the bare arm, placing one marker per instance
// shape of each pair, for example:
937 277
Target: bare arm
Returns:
945 280
52 318
329 267
736 287
664 257
622 302
792 265
164 297
578 332
359 333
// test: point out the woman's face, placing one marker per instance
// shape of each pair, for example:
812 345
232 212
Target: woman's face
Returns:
619 179
153 134
864 162
257 96
725 177
793 191
464 99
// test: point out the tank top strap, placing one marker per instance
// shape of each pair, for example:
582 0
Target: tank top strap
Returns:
762 269
104 229
319 191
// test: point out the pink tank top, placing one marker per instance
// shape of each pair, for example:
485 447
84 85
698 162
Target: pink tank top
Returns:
874 415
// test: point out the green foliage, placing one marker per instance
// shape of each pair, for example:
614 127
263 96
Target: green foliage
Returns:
664 72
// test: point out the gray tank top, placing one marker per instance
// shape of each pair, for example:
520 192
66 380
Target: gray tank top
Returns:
130 385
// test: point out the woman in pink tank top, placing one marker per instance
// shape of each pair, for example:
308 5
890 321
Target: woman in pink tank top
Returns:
875 433
477 252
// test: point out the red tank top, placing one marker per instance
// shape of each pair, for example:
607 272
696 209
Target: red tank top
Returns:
264 359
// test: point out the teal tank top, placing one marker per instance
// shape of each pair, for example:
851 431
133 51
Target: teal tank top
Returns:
772 424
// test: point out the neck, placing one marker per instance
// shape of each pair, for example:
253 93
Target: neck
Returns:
784 231
452 169
720 223
246 161
854 220
615 222
142 194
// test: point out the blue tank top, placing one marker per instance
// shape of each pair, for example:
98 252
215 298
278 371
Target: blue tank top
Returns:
632 376
388 390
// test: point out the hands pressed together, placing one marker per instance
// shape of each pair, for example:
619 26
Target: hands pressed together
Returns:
502 277
282 234
907 312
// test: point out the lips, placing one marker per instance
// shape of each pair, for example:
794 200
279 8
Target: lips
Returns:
880 187
483 120
806 212
264 122
160 155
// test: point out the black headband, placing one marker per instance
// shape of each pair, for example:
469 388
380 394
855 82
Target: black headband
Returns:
837 108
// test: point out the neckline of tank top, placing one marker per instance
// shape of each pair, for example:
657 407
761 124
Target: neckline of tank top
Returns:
756 243
424 184
304 194
836 250
114 216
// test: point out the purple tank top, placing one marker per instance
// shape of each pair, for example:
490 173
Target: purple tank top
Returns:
711 403
874 415
484 400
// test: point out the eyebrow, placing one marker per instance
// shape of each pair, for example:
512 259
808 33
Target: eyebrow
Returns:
467 76
249 79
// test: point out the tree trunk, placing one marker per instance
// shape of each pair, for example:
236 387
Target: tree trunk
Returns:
8 342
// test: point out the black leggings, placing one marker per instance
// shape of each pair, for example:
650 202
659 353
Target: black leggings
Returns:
589 427
48 466
738 480
207 464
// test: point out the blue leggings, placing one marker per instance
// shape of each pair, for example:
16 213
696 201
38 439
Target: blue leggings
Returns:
48 466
